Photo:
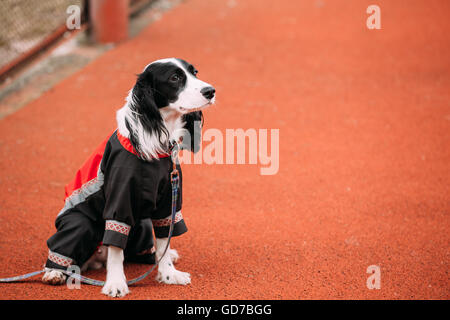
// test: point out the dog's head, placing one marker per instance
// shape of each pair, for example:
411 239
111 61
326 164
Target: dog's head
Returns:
169 87
174 85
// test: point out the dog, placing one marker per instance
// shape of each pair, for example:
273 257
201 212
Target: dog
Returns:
122 194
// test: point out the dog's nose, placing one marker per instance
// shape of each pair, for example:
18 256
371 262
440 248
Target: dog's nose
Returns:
208 92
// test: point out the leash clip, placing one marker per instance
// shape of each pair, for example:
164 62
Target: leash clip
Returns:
174 149
174 173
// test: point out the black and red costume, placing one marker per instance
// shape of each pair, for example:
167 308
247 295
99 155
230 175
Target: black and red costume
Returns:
117 199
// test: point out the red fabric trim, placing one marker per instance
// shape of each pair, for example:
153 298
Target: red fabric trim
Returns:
99 245
88 170
126 143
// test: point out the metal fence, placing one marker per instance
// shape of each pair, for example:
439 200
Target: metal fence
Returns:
24 24
27 26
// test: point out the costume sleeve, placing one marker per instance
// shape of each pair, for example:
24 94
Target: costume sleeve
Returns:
121 205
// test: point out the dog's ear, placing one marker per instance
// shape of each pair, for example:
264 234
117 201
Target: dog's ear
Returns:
193 125
146 111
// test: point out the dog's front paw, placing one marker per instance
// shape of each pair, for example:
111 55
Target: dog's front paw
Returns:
173 254
115 288
173 276
53 277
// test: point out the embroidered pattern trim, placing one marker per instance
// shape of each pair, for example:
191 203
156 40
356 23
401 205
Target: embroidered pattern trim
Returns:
59 259
117 226
166 221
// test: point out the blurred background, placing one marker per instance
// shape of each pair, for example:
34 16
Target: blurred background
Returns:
22 28
44 41
364 139
30 26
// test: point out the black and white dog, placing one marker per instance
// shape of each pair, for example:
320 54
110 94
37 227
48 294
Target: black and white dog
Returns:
129 193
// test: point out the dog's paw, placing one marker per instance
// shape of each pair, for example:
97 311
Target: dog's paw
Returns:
173 254
173 276
115 288
54 277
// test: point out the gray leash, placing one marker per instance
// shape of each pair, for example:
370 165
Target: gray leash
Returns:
175 181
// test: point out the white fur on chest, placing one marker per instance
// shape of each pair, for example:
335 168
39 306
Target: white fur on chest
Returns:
151 146
173 122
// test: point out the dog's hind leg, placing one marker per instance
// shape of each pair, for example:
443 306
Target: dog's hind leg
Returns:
73 243
97 260
53 277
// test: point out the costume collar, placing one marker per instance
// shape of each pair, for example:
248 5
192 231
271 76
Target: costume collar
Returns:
126 143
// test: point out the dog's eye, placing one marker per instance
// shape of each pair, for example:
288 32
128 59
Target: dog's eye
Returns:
175 78
194 72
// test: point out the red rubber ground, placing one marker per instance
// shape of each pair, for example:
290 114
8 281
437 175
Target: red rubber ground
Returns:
364 119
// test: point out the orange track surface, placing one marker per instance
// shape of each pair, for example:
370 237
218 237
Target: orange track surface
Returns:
364 119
